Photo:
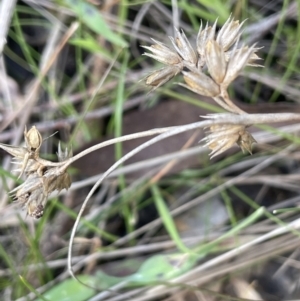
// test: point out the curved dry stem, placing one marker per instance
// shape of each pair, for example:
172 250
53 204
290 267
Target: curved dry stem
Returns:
163 136
93 148
233 108
65 164
246 119
222 104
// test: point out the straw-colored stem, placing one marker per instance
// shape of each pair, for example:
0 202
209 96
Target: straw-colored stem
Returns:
234 108
246 119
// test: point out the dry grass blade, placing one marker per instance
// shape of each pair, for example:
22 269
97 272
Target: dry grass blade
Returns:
7 9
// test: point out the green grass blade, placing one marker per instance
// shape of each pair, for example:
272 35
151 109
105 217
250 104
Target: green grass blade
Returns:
213 246
32 289
90 16
167 219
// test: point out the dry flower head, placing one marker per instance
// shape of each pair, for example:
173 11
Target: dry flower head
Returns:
221 137
42 177
213 53
208 70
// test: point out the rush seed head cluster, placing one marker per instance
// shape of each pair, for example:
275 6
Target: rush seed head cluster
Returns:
208 69
42 177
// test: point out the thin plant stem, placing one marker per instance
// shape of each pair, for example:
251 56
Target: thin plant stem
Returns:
232 107
245 119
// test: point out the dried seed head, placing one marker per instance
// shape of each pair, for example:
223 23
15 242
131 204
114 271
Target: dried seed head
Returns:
31 183
161 76
221 137
239 58
54 181
254 57
64 155
31 195
205 35
163 54
35 210
213 52
229 33
18 152
42 176
36 203
28 166
64 182
251 61
246 141
200 83
215 61
33 139
34 167
23 155
183 47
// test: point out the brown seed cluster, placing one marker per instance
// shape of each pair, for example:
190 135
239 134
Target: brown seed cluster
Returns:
208 70
42 177
211 67
221 137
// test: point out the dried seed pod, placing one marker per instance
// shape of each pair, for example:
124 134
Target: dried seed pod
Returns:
246 141
53 181
31 195
36 203
229 33
251 61
35 210
23 155
205 35
161 76
64 155
221 137
239 58
215 61
42 176
162 53
33 139
200 83
184 48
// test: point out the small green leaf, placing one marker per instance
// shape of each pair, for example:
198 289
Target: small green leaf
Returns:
70 289
107 281
168 219
89 44
156 268
91 17
163 268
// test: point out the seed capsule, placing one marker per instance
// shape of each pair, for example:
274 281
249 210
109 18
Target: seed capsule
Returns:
33 139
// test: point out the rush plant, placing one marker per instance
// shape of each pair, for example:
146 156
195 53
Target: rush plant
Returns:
208 70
